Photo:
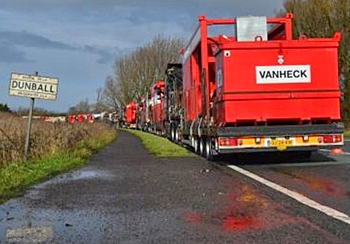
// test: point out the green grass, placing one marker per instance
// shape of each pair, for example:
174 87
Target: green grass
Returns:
347 133
161 147
16 177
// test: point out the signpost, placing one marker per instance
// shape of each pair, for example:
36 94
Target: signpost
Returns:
32 86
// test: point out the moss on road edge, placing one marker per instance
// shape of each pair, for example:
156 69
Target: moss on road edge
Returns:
160 146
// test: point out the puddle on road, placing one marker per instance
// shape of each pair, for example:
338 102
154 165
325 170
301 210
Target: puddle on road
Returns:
35 193
85 174
89 174
18 224
22 223
29 235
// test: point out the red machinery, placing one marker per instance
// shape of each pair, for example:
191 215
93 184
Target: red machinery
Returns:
260 90
173 107
157 104
143 120
130 114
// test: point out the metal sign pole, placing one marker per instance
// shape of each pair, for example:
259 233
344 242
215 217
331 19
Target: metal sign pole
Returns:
29 125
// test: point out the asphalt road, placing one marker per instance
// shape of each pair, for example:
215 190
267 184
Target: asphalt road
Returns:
125 195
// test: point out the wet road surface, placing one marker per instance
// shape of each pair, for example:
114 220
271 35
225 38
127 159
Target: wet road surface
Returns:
125 195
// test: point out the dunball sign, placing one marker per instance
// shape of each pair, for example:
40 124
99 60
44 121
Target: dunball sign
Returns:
33 86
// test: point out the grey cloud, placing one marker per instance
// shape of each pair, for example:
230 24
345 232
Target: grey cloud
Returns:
105 55
237 6
10 55
27 39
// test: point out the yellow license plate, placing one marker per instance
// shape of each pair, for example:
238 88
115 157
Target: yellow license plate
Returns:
281 144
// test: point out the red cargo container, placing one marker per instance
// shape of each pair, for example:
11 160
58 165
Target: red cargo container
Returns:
260 90
157 104
130 114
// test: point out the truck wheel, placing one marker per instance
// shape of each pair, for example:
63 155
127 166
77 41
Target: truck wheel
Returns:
192 141
202 146
172 132
196 145
177 139
209 150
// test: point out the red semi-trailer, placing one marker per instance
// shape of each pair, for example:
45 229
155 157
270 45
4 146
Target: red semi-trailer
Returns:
142 117
130 115
258 90
157 104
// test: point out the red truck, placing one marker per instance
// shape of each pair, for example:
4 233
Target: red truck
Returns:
256 90
157 107
130 113
141 115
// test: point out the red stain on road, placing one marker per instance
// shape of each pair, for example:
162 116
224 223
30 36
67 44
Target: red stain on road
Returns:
239 223
244 209
320 184
193 218
326 186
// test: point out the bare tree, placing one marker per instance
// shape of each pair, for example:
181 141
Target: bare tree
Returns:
100 105
110 94
82 107
135 73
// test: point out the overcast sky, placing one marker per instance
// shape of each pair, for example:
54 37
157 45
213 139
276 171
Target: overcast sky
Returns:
78 40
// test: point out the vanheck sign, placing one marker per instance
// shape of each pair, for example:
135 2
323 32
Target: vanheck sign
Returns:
283 74
33 86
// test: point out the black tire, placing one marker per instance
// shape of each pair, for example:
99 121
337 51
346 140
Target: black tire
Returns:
172 133
177 139
209 151
192 141
196 146
202 143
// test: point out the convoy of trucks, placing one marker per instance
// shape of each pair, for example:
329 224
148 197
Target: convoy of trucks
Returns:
256 90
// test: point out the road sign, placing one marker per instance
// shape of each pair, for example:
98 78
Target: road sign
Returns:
33 86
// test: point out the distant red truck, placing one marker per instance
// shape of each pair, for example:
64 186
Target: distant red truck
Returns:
130 115
142 115
157 107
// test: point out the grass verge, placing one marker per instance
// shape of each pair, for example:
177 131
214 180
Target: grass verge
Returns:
16 177
161 147
347 134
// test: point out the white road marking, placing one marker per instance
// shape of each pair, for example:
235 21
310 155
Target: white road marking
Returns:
308 164
297 196
347 140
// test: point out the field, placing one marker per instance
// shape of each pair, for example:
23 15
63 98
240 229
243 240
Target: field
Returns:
54 148
46 138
